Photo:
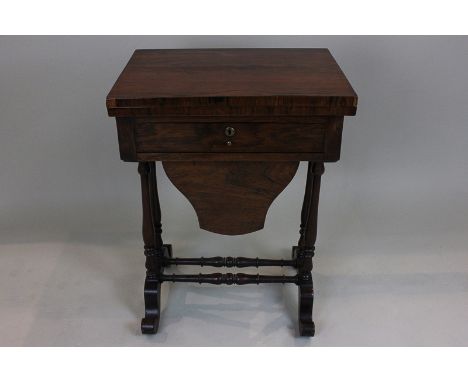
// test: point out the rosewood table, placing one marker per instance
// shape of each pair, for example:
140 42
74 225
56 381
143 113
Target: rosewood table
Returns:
230 127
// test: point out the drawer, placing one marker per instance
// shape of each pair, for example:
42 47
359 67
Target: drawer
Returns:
230 137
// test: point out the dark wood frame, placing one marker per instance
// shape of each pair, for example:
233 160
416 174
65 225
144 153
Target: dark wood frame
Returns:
159 255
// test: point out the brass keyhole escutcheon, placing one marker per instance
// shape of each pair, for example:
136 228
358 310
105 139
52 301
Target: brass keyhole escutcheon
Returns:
229 131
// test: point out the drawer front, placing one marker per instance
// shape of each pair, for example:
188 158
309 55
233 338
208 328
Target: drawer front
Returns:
230 137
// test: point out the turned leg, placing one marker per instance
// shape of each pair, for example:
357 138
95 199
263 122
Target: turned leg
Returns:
304 252
154 249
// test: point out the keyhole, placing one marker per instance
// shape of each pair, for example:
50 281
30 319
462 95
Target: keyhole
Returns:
229 131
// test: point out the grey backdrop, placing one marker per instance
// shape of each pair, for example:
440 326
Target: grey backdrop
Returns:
391 265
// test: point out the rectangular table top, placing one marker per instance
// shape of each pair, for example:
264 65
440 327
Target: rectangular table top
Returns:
239 82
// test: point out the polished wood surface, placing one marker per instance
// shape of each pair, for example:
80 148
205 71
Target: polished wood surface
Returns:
232 82
230 127
255 137
231 198
260 139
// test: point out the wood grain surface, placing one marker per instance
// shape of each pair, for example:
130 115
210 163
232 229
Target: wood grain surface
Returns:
309 138
247 137
231 198
232 82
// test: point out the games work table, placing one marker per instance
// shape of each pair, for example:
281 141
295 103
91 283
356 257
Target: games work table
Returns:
230 127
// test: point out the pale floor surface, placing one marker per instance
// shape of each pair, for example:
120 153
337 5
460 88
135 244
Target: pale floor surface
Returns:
382 292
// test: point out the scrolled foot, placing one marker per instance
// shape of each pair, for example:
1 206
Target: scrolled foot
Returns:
150 325
306 304
306 328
